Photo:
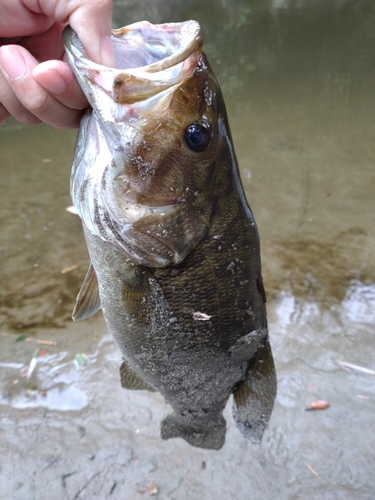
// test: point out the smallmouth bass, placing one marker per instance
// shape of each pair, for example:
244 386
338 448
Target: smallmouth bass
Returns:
174 249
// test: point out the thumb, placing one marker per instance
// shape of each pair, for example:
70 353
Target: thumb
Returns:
92 22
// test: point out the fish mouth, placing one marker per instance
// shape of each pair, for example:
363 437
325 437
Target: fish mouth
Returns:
133 198
114 195
155 47
148 58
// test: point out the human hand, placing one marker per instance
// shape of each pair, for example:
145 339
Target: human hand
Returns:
36 83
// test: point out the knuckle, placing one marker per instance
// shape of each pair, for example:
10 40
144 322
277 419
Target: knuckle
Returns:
38 104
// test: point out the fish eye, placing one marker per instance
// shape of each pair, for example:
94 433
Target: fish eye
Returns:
197 137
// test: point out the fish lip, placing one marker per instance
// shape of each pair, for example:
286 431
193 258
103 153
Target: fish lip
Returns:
191 39
128 82
158 206
134 198
123 94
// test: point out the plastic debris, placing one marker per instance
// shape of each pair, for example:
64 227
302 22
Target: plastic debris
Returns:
27 370
79 361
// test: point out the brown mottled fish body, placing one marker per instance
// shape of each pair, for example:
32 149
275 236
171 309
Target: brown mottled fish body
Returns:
173 244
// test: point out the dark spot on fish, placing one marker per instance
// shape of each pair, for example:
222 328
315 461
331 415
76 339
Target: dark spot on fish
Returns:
103 182
112 225
99 218
83 189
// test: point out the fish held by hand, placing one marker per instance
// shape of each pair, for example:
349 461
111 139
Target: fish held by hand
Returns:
174 249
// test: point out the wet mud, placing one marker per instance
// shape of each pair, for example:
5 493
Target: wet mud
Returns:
298 83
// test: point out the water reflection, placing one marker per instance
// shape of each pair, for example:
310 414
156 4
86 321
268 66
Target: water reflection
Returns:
302 330
358 305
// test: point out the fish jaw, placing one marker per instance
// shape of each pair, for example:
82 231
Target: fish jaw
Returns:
135 183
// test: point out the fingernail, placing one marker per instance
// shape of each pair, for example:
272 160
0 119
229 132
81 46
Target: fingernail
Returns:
12 62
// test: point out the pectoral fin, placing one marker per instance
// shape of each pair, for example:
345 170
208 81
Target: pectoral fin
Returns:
88 300
130 380
254 397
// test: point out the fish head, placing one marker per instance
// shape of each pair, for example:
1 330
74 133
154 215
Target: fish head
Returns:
148 151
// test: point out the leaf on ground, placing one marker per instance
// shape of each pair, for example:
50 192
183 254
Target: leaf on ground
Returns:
320 404
68 269
149 489
21 338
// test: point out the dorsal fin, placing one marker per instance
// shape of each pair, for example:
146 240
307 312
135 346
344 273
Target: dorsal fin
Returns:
88 300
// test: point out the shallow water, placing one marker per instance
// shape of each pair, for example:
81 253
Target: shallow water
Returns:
298 79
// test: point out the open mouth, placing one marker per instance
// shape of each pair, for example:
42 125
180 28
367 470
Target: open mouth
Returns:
149 59
155 47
